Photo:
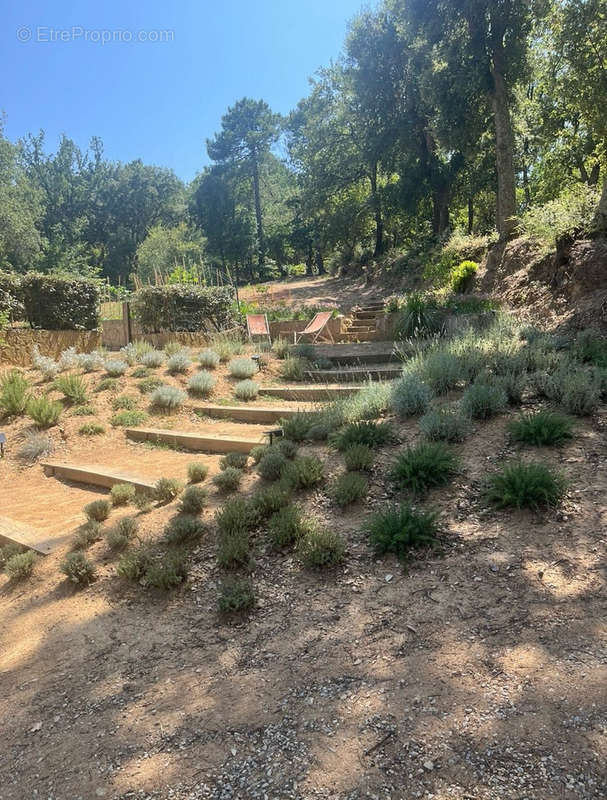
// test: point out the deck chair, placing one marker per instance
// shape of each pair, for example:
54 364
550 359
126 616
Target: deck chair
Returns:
257 325
316 328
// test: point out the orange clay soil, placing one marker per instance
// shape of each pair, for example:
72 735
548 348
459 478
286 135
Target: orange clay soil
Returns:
476 673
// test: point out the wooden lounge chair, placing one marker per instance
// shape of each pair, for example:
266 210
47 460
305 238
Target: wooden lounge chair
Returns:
316 329
257 326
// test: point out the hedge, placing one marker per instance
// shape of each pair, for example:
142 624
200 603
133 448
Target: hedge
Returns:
10 297
184 307
60 304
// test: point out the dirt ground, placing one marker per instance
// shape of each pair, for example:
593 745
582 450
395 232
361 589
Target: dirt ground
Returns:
479 672
343 292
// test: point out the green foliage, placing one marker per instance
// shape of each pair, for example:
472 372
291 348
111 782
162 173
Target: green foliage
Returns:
20 566
78 569
320 548
571 213
153 359
238 460
83 411
73 388
401 529
242 368
201 384
179 364
591 348
228 480
235 516
371 402
140 372
184 528
423 467
43 411
167 571
124 402
87 534
580 393
271 464
236 595
98 510
542 428
193 500
246 390
462 277
441 370
143 500
526 485
257 452
184 307
121 494
91 429
286 526
167 398
373 434
108 385
197 472
148 385
167 489
288 448
297 427
115 368
14 393
445 424
281 348
483 401
128 419
57 303
208 358
410 396
227 345
358 457
304 472
350 487
418 317
293 369
120 535
269 499
134 564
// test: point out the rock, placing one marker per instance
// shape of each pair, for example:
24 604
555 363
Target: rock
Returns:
429 765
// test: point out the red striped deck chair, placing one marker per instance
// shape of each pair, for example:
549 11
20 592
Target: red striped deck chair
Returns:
317 328
257 326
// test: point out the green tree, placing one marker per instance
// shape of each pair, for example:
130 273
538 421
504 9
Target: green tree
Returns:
165 249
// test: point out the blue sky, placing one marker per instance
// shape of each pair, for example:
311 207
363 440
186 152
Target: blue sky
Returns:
158 100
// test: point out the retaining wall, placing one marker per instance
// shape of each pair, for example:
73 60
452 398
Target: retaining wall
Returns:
16 344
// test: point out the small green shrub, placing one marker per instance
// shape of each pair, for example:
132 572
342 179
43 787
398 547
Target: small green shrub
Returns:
83 411
373 401
298 426
183 529
179 364
108 385
167 489
91 362
418 317
542 428
8 551
148 385
233 549
197 472
153 359
235 596
91 429
141 372
444 424
349 488
48 368
128 419
193 500
580 394
591 348
526 485
293 369
320 548
124 403
400 529
287 448
242 368
44 412
229 480
358 458
235 515
201 384
246 390
166 572
208 359
167 398
257 452
482 401
373 434
410 396
98 510
115 368
238 460
286 526
120 535
134 563
303 472
271 464
143 501
78 569
423 467
281 348
73 388
20 566
442 371
270 499
14 394
121 494
87 534
462 277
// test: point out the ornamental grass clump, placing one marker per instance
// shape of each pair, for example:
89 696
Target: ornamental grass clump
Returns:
445 424
303 472
121 494
293 369
91 429
167 489
269 499
402 529
228 480
184 529
238 460
124 402
373 434
410 396
167 398
179 364
286 526
424 467
128 419
14 394
201 384
87 534
544 428
115 368
242 368
526 485
120 535
208 359
358 458
73 388
193 500
44 411
320 547
348 488
197 472
98 510
246 390
484 400
166 571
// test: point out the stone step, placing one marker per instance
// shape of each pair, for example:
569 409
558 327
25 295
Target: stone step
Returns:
26 536
311 393
253 414
356 374
360 338
94 475
189 440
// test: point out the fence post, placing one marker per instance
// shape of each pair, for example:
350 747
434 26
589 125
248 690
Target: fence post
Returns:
126 322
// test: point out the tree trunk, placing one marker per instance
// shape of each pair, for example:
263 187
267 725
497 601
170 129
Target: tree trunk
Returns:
260 239
320 264
504 144
379 223
470 215
309 270
599 223
440 211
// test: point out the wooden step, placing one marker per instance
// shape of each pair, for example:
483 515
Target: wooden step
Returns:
358 353
18 533
355 374
253 414
94 475
360 315
202 443
312 393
